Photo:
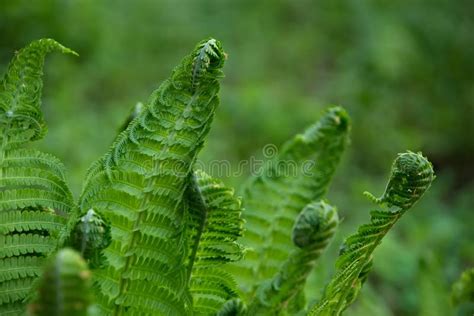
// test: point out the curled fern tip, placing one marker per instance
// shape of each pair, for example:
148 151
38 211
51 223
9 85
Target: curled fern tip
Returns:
411 175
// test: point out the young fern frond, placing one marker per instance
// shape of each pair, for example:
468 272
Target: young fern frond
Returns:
139 187
64 287
313 230
412 174
301 173
213 228
34 196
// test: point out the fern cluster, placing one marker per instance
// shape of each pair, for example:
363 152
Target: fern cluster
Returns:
154 236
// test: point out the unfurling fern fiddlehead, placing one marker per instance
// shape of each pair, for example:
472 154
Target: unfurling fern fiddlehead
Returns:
412 174
313 230
139 187
64 288
215 224
34 197
273 199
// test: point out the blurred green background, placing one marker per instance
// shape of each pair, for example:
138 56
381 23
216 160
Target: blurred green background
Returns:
404 70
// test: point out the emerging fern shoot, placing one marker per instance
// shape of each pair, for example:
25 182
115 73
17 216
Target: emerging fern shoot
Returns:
412 174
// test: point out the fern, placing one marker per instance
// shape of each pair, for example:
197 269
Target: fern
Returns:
313 229
214 226
64 288
139 187
161 238
411 176
34 196
273 200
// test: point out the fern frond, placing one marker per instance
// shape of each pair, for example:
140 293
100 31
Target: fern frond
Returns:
273 199
139 187
312 232
34 196
213 228
64 287
411 176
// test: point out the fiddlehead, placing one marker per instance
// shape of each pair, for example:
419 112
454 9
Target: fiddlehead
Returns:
412 174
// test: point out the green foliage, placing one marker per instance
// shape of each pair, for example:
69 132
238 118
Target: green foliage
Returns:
64 287
34 196
273 199
312 232
411 175
139 187
161 238
213 227
463 288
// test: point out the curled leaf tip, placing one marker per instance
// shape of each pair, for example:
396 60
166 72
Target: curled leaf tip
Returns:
315 221
411 175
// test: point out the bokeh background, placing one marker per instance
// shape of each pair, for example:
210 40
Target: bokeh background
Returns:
404 70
